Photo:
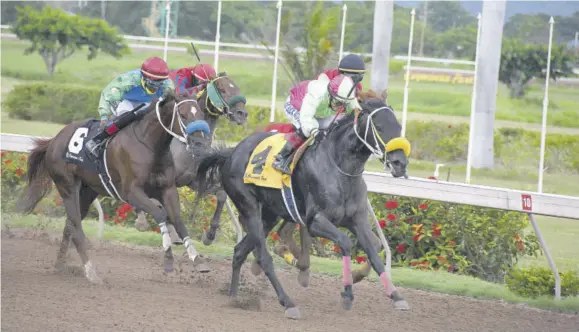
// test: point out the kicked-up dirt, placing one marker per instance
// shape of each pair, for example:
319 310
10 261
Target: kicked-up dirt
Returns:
137 296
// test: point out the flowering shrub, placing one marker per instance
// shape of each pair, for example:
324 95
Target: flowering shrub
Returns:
463 239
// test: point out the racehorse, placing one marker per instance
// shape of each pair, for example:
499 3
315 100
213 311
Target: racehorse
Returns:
136 160
326 189
222 97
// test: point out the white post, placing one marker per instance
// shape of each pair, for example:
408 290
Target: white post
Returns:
275 58
405 105
545 105
344 10
167 21
473 103
217 38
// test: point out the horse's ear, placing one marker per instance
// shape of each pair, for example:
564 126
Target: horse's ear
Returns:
167 97
221 74
384 95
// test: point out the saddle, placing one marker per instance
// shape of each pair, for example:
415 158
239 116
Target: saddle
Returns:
77 154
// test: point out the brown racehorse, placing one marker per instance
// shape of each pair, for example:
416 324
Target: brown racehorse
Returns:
140 166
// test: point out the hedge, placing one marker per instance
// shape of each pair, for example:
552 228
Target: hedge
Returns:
431 141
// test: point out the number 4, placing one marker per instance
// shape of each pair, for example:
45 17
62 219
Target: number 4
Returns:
259 160
75 144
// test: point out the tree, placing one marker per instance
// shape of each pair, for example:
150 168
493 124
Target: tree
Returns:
520 63
56 35
319 40
444 15
457 42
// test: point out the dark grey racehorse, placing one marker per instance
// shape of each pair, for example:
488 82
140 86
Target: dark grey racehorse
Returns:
329 189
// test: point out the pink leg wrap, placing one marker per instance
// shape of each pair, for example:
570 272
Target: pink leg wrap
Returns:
387 283
346 261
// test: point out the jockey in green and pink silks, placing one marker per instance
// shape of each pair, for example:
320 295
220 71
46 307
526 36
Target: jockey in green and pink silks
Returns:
126 92
309 100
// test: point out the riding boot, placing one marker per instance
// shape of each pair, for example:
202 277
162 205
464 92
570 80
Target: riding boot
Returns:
92 144
283 159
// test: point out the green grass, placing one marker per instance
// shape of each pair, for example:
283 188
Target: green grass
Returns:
255 78
431 281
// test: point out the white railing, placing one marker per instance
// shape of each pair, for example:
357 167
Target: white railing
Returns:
498 198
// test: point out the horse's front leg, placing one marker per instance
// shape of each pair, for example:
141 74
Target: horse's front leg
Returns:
209 236
137 197
171 203
363 231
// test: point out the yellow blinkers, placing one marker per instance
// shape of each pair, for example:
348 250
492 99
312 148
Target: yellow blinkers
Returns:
399 143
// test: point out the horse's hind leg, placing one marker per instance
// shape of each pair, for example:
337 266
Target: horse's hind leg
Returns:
209 236
87 195
293 255
364 270
71 201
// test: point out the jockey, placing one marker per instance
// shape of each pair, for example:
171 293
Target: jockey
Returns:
191 80
351 65
126 92
309 100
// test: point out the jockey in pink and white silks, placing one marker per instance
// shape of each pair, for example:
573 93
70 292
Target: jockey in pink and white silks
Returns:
309 100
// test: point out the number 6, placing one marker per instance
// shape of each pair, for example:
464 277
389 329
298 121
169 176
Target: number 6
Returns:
75 144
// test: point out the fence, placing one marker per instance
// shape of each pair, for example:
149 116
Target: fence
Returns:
527 202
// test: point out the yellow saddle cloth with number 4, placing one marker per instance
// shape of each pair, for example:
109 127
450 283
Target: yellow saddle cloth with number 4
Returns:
259 170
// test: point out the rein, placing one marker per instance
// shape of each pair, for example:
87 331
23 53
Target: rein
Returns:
183 137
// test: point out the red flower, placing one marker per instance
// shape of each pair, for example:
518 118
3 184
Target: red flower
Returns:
116 221
124 208
9 161
417 228
391 205
451 243
324 241
408 220
105 216
3 154
297 226
19 172
205 228
213 200
337 248
382 223
391 217
413 263
416 237
275 236
423 206
157 230
401 248
23 158
436 233
361 259
450 269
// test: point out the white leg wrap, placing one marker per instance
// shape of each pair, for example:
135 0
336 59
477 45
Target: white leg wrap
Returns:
191 251
166 237
90 273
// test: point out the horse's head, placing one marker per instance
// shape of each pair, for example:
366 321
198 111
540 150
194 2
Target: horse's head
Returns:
223 97
378 128
182 118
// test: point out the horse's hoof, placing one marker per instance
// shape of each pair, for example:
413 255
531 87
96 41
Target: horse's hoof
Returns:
91 275
292 313
255 268
206 240
347 301
203 268
141 224
168 267
304 278
401 305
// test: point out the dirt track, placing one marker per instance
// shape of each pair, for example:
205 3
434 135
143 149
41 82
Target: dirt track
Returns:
137 296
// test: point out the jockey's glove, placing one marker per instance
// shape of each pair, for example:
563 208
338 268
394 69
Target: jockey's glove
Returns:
319 135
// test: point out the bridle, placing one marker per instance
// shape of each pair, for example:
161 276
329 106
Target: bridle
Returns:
183 137
213 97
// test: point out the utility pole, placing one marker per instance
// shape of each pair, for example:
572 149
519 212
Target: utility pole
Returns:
103 10
383 19
487 81
424 23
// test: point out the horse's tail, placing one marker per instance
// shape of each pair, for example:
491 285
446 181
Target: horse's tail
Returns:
209 168
39 183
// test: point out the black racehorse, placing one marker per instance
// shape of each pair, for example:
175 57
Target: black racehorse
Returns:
328 186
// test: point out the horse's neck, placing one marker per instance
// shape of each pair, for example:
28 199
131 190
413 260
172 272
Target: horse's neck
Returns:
152 132
347 151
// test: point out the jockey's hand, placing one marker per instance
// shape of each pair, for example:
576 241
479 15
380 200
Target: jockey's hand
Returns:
103 124
319 135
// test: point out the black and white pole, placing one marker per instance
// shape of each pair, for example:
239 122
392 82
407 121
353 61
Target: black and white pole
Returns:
407 77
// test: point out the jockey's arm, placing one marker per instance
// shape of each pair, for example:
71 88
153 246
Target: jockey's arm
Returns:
313 98
354 104
113 93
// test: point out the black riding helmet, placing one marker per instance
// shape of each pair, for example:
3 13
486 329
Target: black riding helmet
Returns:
353 66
